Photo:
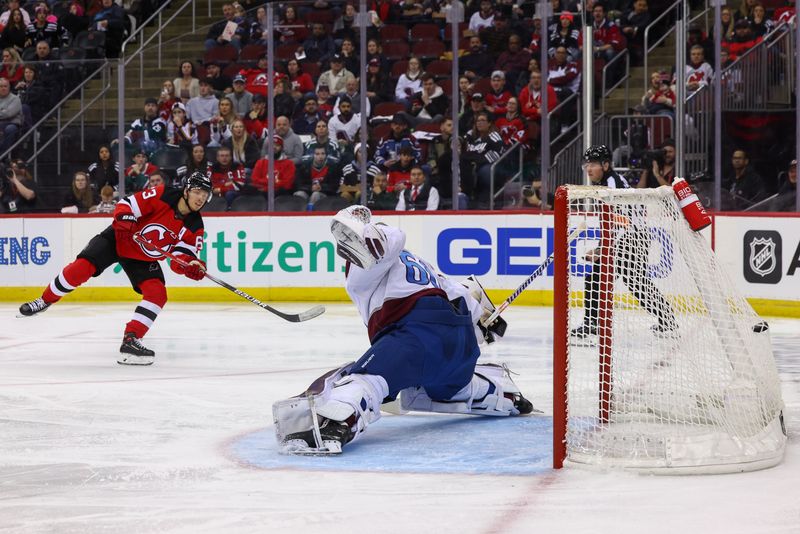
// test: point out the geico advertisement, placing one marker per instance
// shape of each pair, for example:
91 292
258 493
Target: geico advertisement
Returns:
762 254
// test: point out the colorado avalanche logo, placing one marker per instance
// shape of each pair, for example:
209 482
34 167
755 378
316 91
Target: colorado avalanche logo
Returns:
762 256
162 237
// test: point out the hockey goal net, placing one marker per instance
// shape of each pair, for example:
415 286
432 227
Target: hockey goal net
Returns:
659 364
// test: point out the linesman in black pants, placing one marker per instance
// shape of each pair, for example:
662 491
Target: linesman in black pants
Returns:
631 247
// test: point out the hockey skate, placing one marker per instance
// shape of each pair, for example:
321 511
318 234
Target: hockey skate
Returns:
327 438
584 331
33 307
133 352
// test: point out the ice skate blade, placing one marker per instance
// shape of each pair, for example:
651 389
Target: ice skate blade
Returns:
130 359
301 448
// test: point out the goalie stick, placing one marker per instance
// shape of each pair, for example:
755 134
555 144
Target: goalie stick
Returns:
291 317
536 274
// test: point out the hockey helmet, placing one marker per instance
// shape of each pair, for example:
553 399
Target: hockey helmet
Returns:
597 153
199 180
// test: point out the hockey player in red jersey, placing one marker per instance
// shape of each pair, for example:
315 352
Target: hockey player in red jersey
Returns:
168 218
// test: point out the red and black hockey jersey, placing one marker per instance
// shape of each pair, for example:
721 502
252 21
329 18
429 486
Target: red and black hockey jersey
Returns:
158 220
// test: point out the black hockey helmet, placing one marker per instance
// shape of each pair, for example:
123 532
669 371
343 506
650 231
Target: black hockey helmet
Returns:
199 180
597 153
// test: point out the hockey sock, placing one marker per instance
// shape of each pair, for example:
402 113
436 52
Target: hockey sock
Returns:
154 296
72 276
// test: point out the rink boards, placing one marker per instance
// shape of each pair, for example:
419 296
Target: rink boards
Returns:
291 257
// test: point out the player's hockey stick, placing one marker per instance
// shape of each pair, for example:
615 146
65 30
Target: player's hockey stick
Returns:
536 274
291 317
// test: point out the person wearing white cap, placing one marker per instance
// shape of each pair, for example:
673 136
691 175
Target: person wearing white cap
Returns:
241 98
180 130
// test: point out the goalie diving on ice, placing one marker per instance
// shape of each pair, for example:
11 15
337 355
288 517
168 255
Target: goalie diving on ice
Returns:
424 330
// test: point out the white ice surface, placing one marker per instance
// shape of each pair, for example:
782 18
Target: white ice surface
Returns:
89 446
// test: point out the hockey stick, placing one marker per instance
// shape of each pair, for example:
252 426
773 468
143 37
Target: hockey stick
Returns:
291 317
536 274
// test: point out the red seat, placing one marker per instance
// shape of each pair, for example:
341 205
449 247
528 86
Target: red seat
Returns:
312 69
387 109
252 53
448 30
223 54
440 68
424 32
378 132
319 17
483 86
447 86
396 50
233 69
428 50
431 127
393 32
398 68
286 52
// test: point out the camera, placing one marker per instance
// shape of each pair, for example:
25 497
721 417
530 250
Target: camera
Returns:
9 172
527 191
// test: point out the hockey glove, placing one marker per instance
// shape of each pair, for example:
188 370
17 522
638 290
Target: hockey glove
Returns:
124 225
196 269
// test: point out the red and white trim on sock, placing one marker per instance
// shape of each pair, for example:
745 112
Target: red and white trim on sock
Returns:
71 277
154 296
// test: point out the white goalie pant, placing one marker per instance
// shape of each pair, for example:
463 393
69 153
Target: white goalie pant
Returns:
484 395
335 395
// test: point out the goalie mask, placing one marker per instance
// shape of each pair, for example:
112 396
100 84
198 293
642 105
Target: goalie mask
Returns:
357 240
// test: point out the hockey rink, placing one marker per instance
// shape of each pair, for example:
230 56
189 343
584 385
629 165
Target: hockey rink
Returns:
187 445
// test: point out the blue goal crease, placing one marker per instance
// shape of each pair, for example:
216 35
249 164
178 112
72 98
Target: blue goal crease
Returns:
423 444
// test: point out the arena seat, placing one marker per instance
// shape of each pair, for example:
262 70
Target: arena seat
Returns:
253 203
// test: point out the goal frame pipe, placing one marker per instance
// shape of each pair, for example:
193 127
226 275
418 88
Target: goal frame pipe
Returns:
560 325
605 310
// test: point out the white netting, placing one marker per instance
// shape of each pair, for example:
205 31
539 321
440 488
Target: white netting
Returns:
668 370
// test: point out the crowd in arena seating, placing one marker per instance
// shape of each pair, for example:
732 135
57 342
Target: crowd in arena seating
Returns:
216 111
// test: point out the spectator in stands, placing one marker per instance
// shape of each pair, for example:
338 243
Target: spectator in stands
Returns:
477 104
530 97
498 97
107 203
696 36
227 177
567 35
45 28
111 20
743 39
464 94
378 198
256 121
746 186
349 56
156 179
301 82
148 132
219 81
8 14
17 190
378 84
633 23
138 174
319 46
496 37
15 33
512 124
698 72
420 195
608 40
48 72
482 147
307 121
409 83
11 117
659 98
483 18
80 198
536 35
564 75
351 92
187 86
440 158
727 23
343 26
284 103
787 190
784 14
325 102
387 153
374 52
745 10
286 29
222 121
217 34
476 63
321 139
661 170
399 173
241 99
12 67
285 171
104 171
335 78
317 176
244 149
202 108
513 61
429 105
344 127
197 162
350 188
761 24
180 130
166 99
292 145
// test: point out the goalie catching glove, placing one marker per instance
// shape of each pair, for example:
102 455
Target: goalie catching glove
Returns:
358 240
498 326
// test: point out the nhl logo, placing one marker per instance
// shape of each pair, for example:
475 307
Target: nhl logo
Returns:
762 256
